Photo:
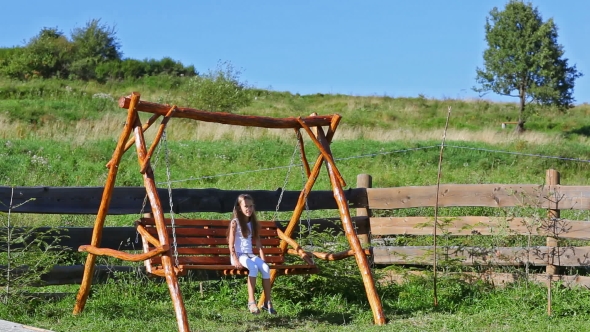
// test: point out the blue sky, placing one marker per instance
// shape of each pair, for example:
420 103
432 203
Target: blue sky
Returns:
387 47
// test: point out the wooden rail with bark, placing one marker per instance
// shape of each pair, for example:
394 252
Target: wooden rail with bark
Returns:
551 197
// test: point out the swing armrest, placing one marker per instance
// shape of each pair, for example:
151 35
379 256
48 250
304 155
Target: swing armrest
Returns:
334 256
123 255
296 247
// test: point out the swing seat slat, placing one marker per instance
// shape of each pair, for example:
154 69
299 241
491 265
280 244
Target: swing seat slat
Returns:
202 245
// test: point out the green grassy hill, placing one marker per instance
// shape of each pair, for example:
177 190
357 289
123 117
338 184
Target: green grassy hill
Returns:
69 128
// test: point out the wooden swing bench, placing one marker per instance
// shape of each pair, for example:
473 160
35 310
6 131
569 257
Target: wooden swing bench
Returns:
199 244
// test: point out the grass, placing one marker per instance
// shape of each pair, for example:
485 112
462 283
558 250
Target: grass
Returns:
221 307
58 133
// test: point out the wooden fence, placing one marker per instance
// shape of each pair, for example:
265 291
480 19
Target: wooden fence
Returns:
373 229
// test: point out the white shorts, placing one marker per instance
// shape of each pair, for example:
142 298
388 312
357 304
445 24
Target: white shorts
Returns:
254 264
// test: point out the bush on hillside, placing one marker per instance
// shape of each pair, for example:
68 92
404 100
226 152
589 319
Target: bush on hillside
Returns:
219 90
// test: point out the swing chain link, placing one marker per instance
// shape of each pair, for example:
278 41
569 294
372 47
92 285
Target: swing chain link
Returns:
172 222
276 214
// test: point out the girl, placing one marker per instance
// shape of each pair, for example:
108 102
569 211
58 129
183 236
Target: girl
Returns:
242 230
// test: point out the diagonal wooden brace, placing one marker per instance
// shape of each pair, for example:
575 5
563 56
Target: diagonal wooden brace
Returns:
323 150
131 140
156 141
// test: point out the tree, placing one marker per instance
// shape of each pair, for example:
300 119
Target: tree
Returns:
46 55
524 60
94 44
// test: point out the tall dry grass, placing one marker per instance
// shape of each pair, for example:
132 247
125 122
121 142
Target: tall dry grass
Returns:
111 124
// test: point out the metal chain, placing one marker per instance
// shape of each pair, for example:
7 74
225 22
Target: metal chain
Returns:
172 223
308 217
285 182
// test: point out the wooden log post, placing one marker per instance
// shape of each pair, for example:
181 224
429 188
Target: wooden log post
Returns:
364 229
552 178
103 209
156 208
355 245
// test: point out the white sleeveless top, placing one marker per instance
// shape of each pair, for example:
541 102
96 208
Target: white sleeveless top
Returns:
243 245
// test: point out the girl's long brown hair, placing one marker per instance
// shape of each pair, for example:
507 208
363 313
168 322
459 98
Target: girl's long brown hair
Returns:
243 219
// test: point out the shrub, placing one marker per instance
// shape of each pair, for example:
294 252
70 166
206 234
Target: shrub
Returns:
219 91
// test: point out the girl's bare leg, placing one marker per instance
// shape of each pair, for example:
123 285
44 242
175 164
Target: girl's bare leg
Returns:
267 289
252 288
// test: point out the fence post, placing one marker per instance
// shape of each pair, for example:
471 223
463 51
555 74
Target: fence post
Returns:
552 178
364 229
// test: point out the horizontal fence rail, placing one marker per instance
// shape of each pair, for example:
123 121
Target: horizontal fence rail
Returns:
487 195
475 225
507 256
129 200
373 231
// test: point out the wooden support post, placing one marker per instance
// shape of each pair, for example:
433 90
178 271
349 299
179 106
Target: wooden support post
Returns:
364 230
355 245
311 179
296 215
552 178
104 206
154 198
146 244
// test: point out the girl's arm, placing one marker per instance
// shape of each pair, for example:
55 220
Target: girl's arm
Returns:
230 243
259 245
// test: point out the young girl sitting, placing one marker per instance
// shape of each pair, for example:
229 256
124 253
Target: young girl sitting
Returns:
242 230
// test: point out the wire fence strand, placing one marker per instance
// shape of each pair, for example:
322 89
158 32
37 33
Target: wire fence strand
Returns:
375 154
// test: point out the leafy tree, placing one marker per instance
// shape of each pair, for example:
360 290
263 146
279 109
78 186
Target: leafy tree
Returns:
524 60
94 44
46 55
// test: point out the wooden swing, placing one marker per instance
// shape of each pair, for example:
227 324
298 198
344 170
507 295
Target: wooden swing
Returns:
199 244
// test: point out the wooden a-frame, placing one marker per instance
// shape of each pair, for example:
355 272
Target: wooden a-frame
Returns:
312 125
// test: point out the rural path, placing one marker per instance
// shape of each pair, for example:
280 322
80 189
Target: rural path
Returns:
6 326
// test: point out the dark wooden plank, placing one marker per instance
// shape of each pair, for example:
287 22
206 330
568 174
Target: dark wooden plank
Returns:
490 195
474 225
539 256
121 238
129 200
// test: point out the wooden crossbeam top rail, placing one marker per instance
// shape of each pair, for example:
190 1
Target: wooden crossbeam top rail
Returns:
475 225
490 195
226 118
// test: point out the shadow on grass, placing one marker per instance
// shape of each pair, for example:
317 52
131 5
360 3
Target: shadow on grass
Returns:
582 131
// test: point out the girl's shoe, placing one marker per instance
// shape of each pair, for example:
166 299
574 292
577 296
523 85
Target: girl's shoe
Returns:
253 308
268 308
